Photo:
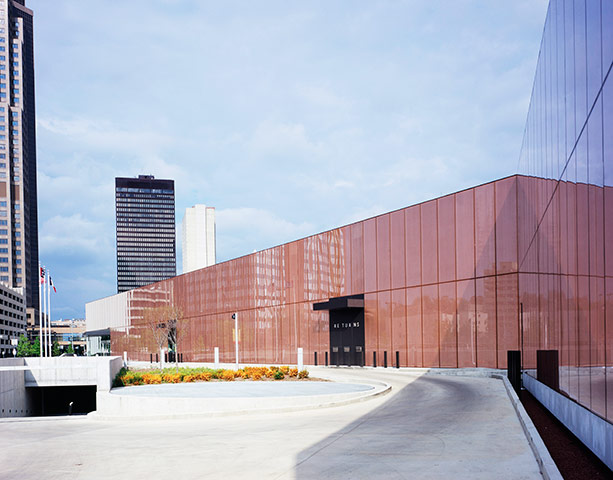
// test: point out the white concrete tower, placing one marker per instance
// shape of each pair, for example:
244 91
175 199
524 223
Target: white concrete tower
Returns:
198 238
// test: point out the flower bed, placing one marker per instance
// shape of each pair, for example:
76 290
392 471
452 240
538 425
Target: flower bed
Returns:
127 377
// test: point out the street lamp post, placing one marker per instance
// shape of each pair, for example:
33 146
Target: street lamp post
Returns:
235 317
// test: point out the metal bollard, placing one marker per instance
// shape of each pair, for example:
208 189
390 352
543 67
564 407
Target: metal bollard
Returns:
385 359
315 358
397 359
374 359
326 359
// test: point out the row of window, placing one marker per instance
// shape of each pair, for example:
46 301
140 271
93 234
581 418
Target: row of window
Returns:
146 230
146 251
128 266
136 216
143 190
143 200
143 208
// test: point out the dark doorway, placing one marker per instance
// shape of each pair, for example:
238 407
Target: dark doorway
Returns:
346 329
66 400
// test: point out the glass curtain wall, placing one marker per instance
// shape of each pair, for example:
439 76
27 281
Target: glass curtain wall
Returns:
566 254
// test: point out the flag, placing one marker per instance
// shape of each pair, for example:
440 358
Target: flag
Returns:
51 284
42 274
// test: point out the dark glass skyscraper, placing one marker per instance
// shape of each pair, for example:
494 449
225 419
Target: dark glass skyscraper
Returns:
18 198
145 223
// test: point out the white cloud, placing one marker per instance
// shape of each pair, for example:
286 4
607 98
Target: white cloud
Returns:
242 230
272 138
101 135
73 234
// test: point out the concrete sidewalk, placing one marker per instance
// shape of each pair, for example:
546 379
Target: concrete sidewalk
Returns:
427 427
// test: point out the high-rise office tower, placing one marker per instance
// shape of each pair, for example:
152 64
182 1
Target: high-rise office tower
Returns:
145 223
198 238
18 199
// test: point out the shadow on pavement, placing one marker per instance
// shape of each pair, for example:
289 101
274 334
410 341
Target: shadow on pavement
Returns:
432 427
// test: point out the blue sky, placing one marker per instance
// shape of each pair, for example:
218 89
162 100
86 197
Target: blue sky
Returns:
289 117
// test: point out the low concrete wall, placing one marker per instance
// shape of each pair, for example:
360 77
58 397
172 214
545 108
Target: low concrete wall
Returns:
13 399
18 373
64 371
593 431
113 405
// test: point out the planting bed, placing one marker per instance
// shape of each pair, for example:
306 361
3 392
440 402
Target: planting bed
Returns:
128 377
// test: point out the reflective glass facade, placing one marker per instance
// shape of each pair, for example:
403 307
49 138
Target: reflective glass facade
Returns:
566 254
145 222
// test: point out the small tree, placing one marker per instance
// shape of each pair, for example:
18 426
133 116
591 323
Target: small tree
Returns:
24 349
175 332
35 348
165 325
55 349
70 350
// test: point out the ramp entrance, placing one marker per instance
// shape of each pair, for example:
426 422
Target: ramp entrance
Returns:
65 400
346 329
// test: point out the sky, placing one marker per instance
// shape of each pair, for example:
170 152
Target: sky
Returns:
290 118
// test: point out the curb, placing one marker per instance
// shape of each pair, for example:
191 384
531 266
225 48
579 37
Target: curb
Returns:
548 468
383 389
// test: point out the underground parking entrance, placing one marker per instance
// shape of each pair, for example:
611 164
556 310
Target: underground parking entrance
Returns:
62 400
346 329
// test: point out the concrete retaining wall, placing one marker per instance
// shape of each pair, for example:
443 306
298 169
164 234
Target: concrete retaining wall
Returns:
593 431
18 373
63 371
13 399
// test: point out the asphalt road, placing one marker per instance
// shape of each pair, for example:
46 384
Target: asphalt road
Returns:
428 427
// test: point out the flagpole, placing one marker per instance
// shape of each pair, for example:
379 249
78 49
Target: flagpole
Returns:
49 349
44 339
40 314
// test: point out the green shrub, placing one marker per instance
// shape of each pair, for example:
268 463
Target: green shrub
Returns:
118 381
279 375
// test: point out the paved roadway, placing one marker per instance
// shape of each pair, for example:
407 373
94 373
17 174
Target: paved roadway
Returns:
428 427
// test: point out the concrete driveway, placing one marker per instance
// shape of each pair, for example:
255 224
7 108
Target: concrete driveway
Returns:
428 427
